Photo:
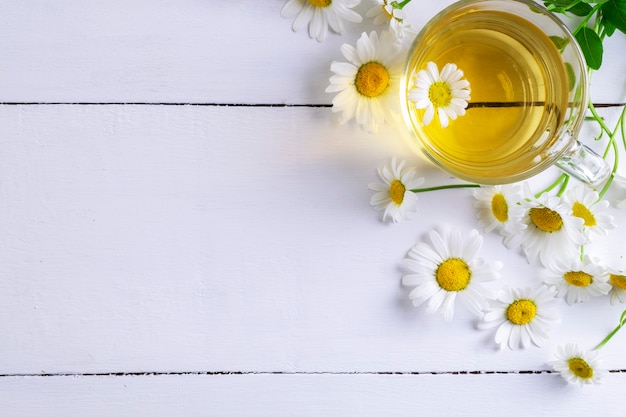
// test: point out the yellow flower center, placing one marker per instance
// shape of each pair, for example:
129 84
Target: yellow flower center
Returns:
372 79
396 191
500 208
578 278
453 274
580 368
545 219
521 311
618 281
579 210
440 94
320 3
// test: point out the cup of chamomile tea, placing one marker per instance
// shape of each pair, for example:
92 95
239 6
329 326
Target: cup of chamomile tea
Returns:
495 91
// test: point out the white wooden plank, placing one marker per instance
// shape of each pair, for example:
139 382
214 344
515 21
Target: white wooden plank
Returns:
191 238
309 395
189 51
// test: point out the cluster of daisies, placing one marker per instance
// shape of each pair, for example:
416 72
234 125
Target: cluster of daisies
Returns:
551 230
366 85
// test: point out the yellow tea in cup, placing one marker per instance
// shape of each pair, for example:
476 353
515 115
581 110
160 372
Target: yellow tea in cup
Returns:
527 82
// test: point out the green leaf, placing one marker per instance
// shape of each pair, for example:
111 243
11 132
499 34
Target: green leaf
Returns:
580 9
609 29
614 11
571 76
561 3
559 42
591 45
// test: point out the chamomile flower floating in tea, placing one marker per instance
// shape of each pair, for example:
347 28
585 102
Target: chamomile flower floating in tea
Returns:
617 279
499 209
551 233
445 92
578 366
578 280
449 268
522 316
320 14
389 11
368 84
586 205
394 194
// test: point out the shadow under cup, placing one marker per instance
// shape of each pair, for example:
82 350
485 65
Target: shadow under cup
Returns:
528 93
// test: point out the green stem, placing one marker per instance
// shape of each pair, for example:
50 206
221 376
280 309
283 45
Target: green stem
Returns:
445 187
587 18
622 124
613 171
401 4
622 321
559 180
599 119
563 186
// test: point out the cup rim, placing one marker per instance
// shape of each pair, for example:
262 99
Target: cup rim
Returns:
571 129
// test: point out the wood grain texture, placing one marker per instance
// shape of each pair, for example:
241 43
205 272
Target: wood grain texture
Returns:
214 259
309 395
189 51
192 238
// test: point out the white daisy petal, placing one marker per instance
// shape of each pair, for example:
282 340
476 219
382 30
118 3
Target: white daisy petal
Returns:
371 78
578 366
394 195
443 117
428 115
551 232
320 18
522 316
291 8
578 280
498 209
617 280
304 16
585 204
451 270
433 71
445 93
344 69
385 11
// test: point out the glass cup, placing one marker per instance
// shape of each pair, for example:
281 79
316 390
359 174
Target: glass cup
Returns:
527 83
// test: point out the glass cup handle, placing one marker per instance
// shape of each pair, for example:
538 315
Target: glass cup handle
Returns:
585 165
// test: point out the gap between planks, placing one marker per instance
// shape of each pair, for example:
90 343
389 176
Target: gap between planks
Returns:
213 373
122 103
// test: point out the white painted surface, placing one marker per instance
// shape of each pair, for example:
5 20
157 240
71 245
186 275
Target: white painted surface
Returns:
309 395
210 239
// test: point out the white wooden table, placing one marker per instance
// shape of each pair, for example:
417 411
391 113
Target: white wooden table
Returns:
186 230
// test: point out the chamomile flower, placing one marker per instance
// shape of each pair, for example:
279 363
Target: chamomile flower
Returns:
320 14
552 232
394 194
445 92
578 280
386 11
578 366
499 208
522 316
617 279
586 205
448 268
368 84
